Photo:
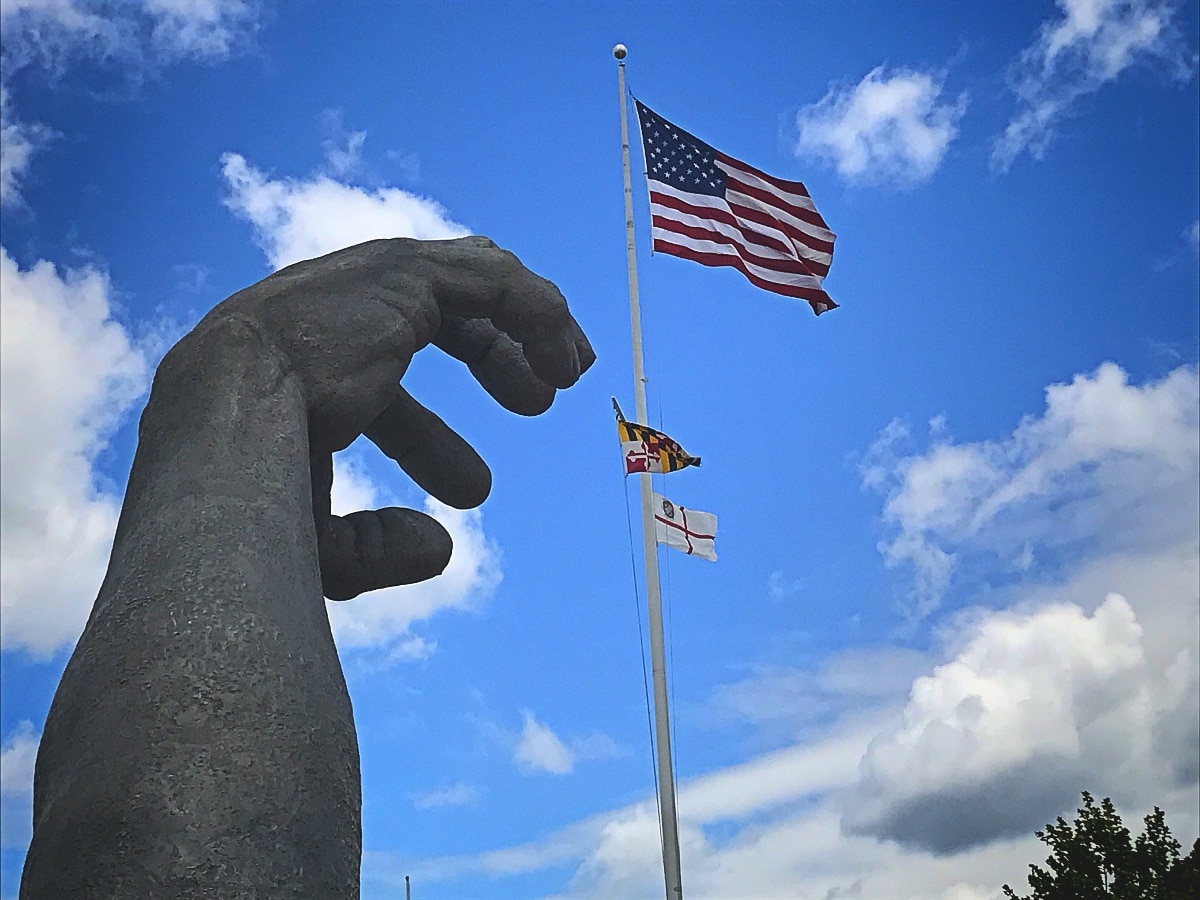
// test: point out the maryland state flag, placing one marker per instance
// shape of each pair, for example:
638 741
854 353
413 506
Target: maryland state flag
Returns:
647 450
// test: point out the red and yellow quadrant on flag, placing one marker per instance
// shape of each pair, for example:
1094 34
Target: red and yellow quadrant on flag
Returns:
647 450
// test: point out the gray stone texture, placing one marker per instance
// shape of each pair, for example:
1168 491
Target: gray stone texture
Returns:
201 742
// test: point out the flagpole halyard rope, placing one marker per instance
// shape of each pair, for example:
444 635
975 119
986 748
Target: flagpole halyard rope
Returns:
670 641
670 629
637 610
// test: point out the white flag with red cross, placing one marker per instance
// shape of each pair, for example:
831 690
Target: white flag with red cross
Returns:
688 530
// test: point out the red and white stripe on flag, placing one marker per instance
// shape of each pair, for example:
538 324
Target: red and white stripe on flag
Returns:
689 530
713 209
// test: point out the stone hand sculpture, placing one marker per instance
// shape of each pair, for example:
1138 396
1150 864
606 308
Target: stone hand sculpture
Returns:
201 742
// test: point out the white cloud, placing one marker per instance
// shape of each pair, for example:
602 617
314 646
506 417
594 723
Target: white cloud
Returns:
414 649
139 37
1066 690
997 740
353 489
596 745
1092 44
797 854
779 587
297 219
782 702
52 33
1108 464
70 373
48 32
201 28
18 143
343 148
17 759
536 748
539 749
442 798
891 126
383 619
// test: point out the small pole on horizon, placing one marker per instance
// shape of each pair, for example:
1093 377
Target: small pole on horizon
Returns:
407 889
662 723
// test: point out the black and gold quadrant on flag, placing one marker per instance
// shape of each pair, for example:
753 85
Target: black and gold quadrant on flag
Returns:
647 450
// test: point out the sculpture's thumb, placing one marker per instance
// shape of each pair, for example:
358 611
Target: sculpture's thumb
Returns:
380 548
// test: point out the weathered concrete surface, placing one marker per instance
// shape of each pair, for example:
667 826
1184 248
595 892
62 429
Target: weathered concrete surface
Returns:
201 742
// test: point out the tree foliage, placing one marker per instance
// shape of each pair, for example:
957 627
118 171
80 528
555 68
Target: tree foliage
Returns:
1095 858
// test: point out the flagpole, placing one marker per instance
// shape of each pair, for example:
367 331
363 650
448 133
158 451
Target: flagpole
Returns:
658 665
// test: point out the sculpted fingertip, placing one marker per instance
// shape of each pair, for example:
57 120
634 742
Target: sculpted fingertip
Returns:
533 404
585 354
555 363
468 492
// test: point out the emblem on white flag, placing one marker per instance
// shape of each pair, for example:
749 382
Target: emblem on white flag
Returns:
688 530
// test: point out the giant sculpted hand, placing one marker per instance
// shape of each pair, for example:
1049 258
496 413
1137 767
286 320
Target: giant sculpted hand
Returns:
201 742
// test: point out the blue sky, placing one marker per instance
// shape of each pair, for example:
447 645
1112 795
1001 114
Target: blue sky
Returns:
958 575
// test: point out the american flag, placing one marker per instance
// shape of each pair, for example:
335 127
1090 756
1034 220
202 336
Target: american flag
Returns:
718 211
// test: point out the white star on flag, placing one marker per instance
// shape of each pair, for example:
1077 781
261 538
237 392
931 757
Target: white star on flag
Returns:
689 530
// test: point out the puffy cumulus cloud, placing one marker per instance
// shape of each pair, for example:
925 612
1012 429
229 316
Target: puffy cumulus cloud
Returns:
1088 680
539 749
70 373
382 620
1090 45
54 33
1163 589
297 219
891 126
1108 466
17 758
999 740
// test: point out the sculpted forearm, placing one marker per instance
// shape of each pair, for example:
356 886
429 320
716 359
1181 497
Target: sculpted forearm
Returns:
207 673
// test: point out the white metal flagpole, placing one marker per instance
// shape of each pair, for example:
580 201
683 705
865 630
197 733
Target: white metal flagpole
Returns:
658 665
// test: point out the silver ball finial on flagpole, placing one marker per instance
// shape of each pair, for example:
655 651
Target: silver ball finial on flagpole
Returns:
619 51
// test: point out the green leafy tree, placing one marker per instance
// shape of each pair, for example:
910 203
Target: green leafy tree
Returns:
1095 858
